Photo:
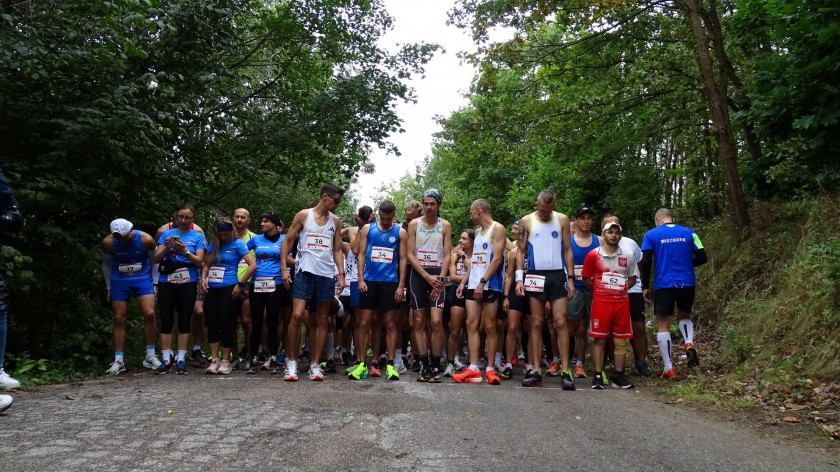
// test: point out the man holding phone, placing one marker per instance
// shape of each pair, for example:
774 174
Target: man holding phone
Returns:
429 248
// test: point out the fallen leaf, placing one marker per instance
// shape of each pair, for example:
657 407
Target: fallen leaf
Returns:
832 429
791 419
68 397
171 412
400 455
470 415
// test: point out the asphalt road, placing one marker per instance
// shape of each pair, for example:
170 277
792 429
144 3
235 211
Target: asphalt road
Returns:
195 422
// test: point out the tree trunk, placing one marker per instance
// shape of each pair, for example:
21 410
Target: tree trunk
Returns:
719 110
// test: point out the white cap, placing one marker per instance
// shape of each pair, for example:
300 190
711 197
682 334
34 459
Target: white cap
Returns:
121 226
610 225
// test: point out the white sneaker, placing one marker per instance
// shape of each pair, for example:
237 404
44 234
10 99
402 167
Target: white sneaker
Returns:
213 368
116 368
5 402
151 362
450 369
7 382
459 366
400 367
315 372
291 374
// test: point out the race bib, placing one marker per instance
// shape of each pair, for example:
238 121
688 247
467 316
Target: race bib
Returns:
242 264
129 269
613 281
534 283
216 274
264 285
428 258
180 276
479 260
317 242
578 271
460 269
384 255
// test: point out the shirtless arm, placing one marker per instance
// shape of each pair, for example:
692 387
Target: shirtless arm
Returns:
286 247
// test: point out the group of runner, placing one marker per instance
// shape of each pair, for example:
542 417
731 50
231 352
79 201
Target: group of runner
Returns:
405 282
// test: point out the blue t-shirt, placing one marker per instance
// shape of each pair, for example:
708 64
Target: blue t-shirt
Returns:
580 255
382 256
193 241
129 261
223 271
267 254
673 246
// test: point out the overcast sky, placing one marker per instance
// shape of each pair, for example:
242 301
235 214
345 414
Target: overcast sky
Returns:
440 92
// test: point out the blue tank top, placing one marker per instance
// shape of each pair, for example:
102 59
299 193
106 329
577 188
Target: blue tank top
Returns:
382 256
193 241
129 261
268 256
223 271
580 254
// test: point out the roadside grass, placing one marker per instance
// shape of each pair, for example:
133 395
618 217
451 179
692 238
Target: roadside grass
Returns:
695 393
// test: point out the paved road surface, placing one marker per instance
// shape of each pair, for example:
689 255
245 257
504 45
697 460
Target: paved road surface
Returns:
196 422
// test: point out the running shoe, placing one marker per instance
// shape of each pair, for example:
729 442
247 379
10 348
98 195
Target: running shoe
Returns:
330 367
580 372
691 354
116 368
151 362
619 381
346 358
416 365
358 372
198 358
181 368
669 374
492 378
281 358
399 366
450 369
515 362
224 367
304 354
265 364
506 372
468 376
423 376
165 367
643 369
543 363
598 381
213 368
315 373
459 366
291 374
373 370
252 366
276 367
5 402
391 373
553 369
434 376
566 381
532 379
482 364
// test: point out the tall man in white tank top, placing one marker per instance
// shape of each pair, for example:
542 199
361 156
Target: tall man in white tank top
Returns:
317 233
544 242
429 248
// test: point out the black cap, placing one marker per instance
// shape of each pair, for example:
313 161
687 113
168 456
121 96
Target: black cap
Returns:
583 209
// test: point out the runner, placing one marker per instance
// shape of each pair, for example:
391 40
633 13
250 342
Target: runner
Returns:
180 255
381 284
222 285
515 306
580 307
429 247
608 272
637 302
545 243
458 264
482 289
11 221
127 273
673 251
405 323
242 316
317 234
351 266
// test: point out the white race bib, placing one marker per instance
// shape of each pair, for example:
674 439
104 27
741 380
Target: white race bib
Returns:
460 269
216 274
180 276
242 263
534 283
613 281
318 242
428 258
579 271
479 260
384 255
129 269
264 285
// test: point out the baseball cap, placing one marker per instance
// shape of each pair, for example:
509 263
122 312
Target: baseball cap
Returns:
583 209
610 225
121 226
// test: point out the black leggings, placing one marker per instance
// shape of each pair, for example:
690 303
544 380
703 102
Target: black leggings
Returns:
172 296
270 304
218 311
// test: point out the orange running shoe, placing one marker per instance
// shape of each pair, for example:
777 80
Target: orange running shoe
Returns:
669 374
580 372
553 369
492 378
468 376
373 371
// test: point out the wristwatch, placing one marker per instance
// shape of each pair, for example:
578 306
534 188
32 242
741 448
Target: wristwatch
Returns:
482 280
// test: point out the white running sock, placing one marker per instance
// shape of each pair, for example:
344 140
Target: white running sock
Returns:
664 342
498 359
182 355
150 350
687 330
196 346
118 356
473 367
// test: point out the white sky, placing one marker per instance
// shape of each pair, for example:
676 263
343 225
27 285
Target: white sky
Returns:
440 92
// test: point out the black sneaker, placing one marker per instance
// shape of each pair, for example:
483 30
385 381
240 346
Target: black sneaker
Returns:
691 354
424 375
598 381
619 381
434 376
346 358
165 367
198 358
253 366
276 367
643 370
328 366
415 366
566 381
506 373
532 379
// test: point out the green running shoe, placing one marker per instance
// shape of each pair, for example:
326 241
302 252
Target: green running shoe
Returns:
391 373
359 372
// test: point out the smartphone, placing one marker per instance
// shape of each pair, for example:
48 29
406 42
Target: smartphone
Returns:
175 237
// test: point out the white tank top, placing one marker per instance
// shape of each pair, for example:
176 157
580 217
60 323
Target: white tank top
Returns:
428 245
351 268
481 257
315 247
545 243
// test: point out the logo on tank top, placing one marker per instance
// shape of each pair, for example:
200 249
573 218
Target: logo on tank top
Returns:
555 234
622 262
264 257
484 245
392 239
